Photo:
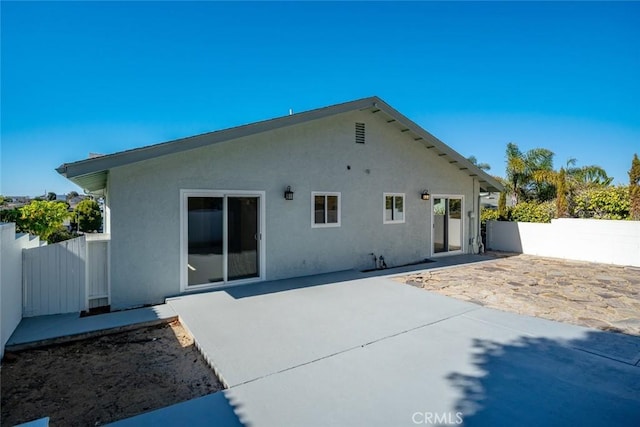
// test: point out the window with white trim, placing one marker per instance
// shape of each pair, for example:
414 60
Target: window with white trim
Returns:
393 208
325 209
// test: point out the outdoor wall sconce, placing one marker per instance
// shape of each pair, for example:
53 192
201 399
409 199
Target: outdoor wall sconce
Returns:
425 195
288 193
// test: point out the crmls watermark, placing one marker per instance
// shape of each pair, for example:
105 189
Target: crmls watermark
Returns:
451 418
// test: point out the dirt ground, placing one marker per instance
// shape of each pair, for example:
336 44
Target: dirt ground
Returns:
101 380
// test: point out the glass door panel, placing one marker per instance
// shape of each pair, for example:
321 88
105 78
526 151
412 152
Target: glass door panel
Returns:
447 224
454 225
439 225
242 237
205 240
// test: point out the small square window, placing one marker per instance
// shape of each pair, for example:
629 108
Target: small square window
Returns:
393 208
326 209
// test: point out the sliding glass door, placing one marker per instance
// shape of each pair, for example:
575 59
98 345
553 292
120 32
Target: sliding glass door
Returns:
242 237
447 224
204 240
221 237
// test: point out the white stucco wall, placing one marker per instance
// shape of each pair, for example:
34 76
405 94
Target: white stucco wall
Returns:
595 240
11 246
144 201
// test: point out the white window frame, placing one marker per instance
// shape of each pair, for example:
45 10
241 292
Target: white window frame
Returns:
313 209
393 207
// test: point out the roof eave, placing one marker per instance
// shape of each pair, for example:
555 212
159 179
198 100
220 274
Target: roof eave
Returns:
87 173
486 181
103 163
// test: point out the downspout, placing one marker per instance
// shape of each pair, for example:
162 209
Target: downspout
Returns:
474 221
480 245
472 226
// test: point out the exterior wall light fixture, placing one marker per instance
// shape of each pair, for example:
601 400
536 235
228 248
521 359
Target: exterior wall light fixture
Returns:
425 195
288 193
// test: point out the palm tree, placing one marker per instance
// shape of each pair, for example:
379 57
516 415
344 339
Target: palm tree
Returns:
483 166
521 168
567 181
558 181
588 176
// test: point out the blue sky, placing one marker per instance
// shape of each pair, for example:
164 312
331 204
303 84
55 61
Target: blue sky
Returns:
84 77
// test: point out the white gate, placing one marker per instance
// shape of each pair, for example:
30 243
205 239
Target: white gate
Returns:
66 277
97 271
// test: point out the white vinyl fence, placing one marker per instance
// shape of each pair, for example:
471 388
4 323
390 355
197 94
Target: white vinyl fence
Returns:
11 248
66 277
595 240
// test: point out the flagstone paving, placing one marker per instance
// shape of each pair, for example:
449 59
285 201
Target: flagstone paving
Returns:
600 296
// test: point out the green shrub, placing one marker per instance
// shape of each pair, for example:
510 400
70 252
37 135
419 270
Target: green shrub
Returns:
61 234
88 216
488 215
603 203
533 211
12 215
42 218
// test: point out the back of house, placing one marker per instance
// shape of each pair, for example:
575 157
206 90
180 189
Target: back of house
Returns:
314 192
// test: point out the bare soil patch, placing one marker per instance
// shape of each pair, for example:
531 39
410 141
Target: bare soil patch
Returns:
101 380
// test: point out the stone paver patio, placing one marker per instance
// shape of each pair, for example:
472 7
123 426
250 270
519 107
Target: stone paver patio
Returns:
600 296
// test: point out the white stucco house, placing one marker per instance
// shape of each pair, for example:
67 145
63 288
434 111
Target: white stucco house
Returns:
307 193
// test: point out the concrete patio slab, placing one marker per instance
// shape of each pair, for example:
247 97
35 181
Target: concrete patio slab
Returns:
213 410
42 330
457 370
250 337
375 352
620 347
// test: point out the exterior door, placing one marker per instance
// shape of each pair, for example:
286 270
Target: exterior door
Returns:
447 224
221 238
242 238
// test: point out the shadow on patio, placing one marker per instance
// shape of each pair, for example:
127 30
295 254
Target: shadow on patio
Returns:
269 287
542 381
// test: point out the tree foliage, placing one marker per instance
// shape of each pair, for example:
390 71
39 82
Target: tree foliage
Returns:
603 203
12 215
61 234
531 176
521 168
533 211
589 176
42 218
634 188
488 215
502 206
584 191
88 215
558 181
484 166
562 207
